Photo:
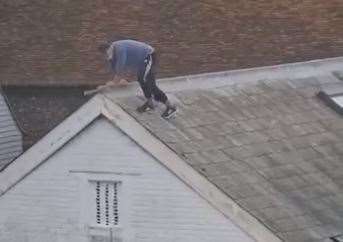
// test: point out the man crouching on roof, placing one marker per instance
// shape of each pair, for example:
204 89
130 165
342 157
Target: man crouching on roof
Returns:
138 59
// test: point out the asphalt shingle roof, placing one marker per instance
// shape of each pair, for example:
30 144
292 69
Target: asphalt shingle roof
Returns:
39 109
272 146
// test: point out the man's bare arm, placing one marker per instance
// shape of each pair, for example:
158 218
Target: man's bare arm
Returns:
116 81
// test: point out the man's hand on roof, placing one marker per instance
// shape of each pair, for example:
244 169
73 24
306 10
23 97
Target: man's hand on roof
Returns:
123 82
114 83
117 81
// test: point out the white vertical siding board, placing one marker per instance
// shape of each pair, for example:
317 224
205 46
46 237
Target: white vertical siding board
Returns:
10 155
8 128
6 122
9 147
7 119
4 162
5 159
4 111
10 138
10 135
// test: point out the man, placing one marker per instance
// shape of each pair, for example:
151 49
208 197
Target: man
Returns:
133 58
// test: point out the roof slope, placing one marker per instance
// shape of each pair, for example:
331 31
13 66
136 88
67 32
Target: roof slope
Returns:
10 136
55 42
271 145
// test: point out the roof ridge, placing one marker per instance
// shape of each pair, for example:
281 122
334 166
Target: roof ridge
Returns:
298 70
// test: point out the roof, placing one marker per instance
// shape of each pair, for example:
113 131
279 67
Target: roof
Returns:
208 35
101 106
277 152
259 147
40 109
10 135
271 145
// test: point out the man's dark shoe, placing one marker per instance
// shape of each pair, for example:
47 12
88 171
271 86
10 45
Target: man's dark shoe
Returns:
169 112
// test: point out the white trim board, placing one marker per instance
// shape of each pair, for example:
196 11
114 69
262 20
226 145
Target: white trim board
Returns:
315 68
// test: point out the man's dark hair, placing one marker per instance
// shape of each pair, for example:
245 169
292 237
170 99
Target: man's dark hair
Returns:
103 47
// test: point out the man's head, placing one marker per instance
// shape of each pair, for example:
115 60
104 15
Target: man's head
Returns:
103 47
108 50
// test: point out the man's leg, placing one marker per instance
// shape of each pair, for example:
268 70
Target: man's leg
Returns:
149 87
146 87
160 96
148 95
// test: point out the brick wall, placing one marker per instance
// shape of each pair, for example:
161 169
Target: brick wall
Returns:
50 203
54 42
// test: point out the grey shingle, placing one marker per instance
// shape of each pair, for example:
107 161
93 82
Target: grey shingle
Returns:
271 146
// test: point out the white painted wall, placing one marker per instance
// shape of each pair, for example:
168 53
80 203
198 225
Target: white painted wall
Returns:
52 203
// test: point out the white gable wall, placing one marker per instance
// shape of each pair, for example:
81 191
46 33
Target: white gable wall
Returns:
50 204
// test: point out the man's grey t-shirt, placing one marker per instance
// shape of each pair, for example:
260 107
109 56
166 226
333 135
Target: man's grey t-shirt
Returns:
128 56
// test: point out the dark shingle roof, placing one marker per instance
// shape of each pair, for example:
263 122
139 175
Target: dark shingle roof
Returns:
272 146
40 109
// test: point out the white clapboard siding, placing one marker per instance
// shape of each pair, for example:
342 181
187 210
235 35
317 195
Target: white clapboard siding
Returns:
10 136
6 120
